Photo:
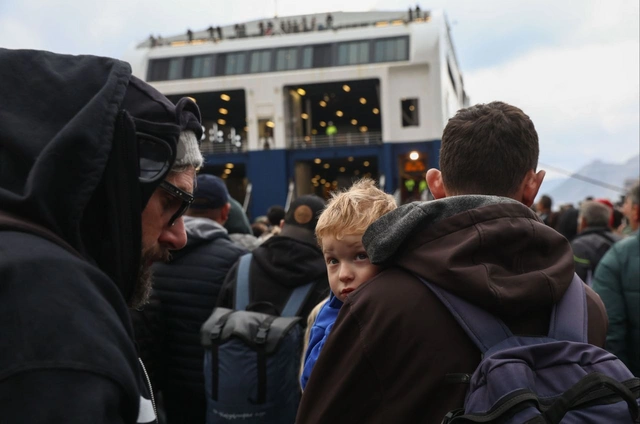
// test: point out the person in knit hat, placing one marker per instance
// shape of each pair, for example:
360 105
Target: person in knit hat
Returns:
97 170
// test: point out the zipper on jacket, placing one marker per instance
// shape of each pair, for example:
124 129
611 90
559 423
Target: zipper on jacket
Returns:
153 400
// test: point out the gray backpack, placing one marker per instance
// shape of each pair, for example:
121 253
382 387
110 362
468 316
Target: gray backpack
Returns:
252 359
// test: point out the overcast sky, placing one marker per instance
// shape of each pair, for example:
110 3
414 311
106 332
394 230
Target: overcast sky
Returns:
572 66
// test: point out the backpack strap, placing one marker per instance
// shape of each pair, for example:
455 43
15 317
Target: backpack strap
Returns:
12 222
297 298
484 329
569 316
242 283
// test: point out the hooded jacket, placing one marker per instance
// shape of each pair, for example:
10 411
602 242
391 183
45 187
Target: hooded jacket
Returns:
394 342
278 266
68 162
187 289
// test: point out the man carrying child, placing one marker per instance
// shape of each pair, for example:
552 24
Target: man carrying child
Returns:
395 350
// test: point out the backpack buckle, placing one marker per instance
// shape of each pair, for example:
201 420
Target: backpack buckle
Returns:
451 415
261 335
216 331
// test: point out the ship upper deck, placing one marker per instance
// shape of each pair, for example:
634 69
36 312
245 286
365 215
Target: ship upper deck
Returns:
288 26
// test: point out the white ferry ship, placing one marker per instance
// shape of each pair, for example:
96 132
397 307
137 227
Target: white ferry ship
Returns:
305 104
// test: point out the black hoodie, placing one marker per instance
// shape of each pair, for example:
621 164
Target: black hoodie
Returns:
279 265
68 161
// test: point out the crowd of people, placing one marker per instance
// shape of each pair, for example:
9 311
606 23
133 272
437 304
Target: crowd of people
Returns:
116 254
280 26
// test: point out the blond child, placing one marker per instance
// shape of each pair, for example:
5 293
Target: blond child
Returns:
339 232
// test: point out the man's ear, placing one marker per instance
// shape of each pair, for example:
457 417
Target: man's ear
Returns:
434 181
281 223
224 212
531 185
582 223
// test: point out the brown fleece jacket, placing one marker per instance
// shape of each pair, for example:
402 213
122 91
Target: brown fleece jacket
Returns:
394 341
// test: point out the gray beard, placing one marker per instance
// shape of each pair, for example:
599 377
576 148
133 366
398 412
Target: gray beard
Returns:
142 288
144 283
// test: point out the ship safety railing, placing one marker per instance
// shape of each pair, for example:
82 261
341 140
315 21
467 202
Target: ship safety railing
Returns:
336 140
213 147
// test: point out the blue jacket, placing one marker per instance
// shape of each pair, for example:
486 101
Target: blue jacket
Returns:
319 333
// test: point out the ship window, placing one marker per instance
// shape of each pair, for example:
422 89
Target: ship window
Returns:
307 57
235 63
198 66
175 68
158 70
410 116
353 53
322 56
260 61
287 59
391 50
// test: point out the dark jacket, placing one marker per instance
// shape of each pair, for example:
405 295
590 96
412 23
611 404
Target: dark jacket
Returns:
394 341
617 281
68 162
187 289
589 247
279 265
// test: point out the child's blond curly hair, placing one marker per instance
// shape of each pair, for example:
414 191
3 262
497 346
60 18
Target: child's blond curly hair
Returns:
352 211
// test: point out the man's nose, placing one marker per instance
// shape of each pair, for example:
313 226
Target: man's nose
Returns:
174 237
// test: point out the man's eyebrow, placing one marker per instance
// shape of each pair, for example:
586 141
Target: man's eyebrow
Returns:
185 188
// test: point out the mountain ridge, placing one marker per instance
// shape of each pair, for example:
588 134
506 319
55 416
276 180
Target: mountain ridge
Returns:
574 190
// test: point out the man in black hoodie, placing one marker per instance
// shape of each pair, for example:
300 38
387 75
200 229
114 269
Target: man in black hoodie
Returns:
396 354
97 167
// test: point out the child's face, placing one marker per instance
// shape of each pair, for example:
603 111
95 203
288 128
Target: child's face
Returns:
348 265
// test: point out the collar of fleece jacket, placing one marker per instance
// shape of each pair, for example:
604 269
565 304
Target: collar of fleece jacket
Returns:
492 251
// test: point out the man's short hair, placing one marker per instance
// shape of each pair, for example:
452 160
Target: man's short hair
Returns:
595 213
488 149
275 214
634 194
352 211
546 201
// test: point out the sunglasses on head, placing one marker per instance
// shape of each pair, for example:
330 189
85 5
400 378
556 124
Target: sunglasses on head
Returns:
155 156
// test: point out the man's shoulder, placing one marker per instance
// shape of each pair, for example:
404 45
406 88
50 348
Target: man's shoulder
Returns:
394 291
623 249
630 243
60 312
220 247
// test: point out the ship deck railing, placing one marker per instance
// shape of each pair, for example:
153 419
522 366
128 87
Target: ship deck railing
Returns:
303 142
336 140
